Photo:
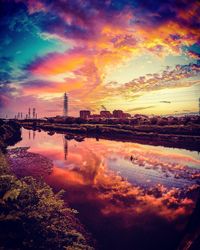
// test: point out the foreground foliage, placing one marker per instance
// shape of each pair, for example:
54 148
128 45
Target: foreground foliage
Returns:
10 133
33 217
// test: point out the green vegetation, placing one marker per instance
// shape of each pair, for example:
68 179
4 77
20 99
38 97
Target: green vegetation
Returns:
32 216
10 133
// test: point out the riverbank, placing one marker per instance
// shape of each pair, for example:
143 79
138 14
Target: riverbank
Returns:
32 216
82 162
10 133
178 136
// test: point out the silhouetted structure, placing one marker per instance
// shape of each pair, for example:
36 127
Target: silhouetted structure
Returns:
127 115
106 114
118 114
96 117
84 114
104 108
33 113
65 105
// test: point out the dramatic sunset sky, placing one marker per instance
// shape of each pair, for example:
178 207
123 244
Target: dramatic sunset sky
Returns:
141 56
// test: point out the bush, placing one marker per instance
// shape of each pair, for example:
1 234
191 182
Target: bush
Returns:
33 217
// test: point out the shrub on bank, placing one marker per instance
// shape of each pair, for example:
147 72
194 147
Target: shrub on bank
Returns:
31 215
9 133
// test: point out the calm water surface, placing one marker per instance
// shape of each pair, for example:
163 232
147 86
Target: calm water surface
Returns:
139 202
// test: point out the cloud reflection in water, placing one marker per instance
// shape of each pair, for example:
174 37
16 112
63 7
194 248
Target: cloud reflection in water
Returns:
153 194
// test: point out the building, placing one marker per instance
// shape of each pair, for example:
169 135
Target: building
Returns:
65 105
85 114
118 114
105 114
127 115
95 117
57 119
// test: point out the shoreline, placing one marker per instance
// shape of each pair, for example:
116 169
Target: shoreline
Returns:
184 141
81 136
32 215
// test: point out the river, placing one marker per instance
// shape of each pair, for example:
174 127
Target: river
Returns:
128 195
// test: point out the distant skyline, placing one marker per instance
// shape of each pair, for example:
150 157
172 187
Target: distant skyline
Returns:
138 56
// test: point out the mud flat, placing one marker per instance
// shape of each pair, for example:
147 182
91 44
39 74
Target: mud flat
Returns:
32 215
23 163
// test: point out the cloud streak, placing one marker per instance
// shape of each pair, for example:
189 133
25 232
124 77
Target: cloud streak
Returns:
140 108
165 102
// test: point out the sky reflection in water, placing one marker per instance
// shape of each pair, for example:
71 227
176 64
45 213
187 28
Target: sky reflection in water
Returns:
123 201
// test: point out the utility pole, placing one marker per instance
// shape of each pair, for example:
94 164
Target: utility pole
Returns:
33 113
199 106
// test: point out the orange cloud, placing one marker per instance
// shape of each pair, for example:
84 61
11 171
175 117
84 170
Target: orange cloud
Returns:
108 43
54 64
